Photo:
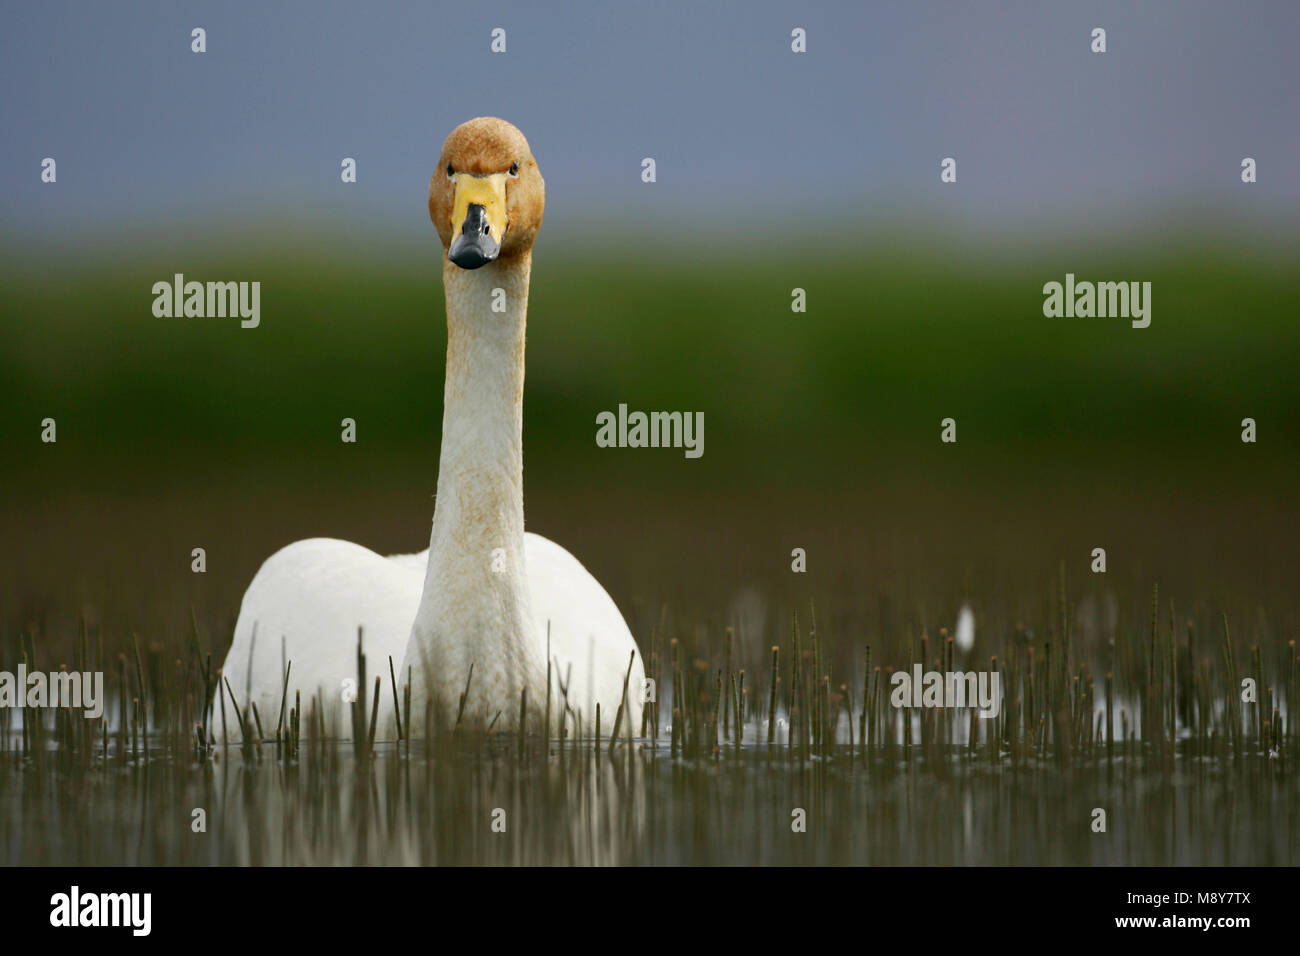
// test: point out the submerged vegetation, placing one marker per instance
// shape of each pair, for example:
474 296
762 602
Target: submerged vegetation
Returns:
796 762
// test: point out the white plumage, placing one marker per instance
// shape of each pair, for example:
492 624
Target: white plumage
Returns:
310 597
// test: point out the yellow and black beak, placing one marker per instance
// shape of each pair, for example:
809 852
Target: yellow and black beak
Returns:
478 219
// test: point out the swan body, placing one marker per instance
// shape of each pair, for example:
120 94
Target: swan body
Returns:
308 600
476 612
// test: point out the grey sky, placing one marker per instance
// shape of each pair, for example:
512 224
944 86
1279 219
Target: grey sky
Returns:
145 131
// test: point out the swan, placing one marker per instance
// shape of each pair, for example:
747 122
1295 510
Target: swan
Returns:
475 613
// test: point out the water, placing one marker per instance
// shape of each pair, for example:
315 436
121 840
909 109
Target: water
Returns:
471 800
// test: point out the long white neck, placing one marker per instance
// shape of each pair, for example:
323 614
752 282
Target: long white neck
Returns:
475 607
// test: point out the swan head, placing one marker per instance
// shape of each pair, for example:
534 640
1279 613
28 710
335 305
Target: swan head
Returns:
486 197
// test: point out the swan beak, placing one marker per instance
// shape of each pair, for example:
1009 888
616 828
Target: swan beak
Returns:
478 219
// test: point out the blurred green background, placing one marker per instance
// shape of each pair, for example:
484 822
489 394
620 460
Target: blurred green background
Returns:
893 341
821 428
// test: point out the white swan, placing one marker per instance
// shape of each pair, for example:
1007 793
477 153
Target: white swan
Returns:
485 593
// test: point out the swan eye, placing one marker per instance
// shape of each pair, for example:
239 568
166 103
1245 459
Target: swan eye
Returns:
450 172
514 169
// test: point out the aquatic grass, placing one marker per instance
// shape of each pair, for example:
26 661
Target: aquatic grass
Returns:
771 696
1176 784
622 706
397 707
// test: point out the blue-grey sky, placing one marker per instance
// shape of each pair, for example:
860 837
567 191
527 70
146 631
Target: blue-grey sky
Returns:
1045 132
